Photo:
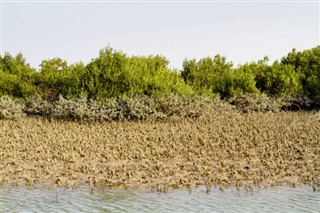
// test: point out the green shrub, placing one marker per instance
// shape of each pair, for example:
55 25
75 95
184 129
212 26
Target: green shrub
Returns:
307 65
204 74
114 74
16 77
277 80
234 82
217 76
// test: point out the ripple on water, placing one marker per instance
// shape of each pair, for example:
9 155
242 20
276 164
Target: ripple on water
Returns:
279 199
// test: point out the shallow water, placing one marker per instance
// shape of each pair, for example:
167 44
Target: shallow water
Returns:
84 199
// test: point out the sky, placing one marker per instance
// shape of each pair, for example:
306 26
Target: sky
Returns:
76 31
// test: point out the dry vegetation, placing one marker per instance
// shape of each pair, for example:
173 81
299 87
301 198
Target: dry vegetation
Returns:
225 148
141 107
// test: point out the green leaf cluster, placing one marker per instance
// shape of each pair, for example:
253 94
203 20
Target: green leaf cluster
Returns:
17 78
307 65
114 74
217 75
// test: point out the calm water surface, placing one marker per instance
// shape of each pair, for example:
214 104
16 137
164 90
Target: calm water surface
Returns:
84 199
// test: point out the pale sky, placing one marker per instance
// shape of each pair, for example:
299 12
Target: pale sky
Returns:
76 31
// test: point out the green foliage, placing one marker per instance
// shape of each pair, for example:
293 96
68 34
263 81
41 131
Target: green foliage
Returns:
243 82
216 75
151 76
56 78
71 81
105 75
16 76
115 74
307 65
50 79
205 72
276 80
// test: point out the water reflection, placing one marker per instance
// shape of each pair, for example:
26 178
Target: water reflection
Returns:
84 199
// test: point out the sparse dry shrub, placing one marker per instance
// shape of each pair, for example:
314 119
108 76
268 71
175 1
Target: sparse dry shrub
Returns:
139 107
145 108
106 111
10 108
142 108
256 103
35 105
74 109
188 107
71 109
170 107
298 102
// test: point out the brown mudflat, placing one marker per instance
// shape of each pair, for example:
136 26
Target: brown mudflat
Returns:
223 149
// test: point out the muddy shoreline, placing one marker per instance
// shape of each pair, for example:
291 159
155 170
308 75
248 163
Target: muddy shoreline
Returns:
223 149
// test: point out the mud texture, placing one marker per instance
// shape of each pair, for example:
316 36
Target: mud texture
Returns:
223 149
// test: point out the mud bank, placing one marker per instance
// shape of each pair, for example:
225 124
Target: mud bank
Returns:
223 149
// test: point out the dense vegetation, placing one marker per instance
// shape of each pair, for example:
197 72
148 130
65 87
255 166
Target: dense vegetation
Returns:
114 74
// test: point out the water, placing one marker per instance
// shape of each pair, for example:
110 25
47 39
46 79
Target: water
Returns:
84 199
